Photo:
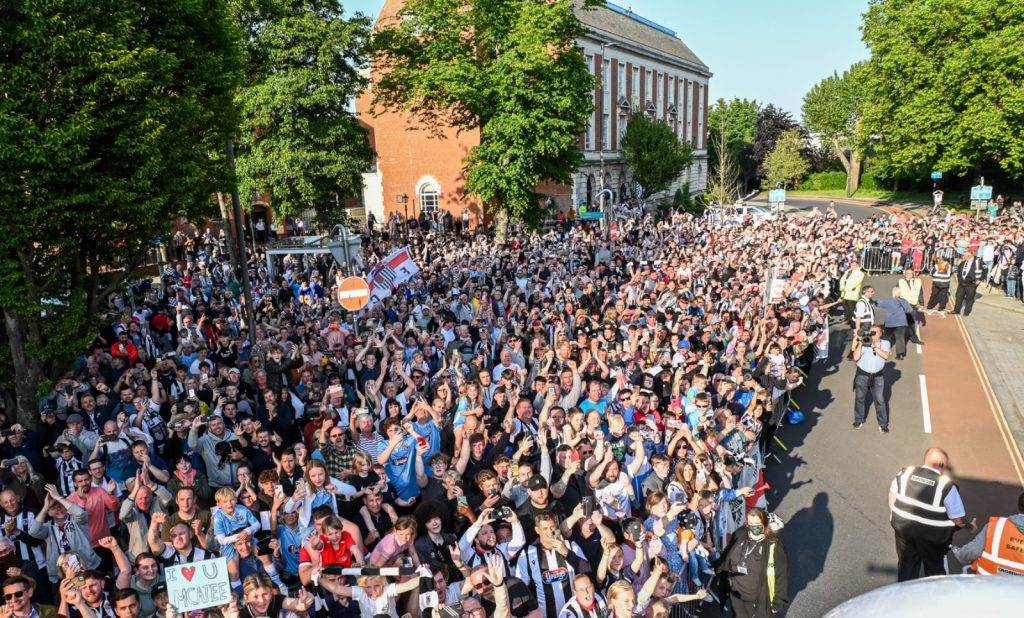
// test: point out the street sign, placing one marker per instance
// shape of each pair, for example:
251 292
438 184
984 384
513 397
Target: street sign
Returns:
777 196
592 214
936 175
353 293
981 192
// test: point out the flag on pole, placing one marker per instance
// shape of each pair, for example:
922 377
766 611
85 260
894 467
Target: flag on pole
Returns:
390 272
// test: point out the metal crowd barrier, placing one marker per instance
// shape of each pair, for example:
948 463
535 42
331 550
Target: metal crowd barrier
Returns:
893 259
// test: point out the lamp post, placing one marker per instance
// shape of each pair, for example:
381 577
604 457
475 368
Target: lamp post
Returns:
607 210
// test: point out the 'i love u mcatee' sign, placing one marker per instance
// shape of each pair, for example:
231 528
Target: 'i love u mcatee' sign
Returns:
198 585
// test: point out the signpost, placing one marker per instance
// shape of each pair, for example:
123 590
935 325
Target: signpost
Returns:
198 585
980 196
777 197
936 175
591 214
353 293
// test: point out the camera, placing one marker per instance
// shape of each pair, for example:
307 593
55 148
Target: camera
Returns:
865 335
503 513
588 506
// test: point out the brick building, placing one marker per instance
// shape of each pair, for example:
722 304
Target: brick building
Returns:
637 64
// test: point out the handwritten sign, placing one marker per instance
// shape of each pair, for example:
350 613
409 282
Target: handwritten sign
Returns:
198 585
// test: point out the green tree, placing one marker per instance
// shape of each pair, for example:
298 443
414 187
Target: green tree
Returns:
653 153
740 117
508 68
832 108
723 176
772 122
785 164
944 84
299 141
109 111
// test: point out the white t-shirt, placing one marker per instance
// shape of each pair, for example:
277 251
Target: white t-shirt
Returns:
384 604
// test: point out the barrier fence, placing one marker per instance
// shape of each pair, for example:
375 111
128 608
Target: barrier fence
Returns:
895 259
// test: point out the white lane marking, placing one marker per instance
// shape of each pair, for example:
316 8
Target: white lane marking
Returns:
917 335
925 410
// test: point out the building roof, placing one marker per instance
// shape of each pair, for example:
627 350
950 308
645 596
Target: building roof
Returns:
624 24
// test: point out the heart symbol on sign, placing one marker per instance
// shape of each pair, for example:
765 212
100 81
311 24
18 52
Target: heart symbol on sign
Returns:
188 572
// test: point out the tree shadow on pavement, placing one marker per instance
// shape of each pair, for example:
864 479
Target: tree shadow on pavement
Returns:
808 537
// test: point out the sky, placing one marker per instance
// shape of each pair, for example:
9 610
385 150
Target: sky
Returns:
769 50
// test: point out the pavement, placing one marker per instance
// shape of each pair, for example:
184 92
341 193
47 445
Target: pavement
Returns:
831 485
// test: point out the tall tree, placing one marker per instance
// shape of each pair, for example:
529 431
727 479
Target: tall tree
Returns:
944 84
785 164
654 154
832 108
299 142
772 122
723 176
508 68
109 111
741 119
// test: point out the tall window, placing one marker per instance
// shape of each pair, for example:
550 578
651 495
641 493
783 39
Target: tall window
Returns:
588 137
606 129
430 197
650 86
606 81
622 79
636 83
623 119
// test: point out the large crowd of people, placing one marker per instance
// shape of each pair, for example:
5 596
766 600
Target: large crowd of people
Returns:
566 424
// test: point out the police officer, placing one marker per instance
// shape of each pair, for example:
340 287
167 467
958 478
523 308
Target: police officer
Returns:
998 548
912 291
925 509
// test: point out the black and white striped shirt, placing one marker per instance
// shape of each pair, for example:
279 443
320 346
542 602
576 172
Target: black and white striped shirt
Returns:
573 609
28 548
550 573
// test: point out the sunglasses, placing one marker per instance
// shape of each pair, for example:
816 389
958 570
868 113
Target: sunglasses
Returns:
14 595
481 586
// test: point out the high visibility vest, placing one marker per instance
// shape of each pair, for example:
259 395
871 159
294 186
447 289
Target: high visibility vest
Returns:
911 290
850 284
1004 549
919 511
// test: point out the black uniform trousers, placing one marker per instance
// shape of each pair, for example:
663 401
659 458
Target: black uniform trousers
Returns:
965 298
912 554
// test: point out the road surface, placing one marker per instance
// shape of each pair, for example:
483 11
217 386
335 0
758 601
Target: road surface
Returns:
831 486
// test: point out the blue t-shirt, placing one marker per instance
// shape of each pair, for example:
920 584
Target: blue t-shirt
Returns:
401 469
225 525
431 432
291 544
587 405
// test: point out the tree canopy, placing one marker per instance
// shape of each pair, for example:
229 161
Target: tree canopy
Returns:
739 116
653 153
299 141
785 164
945 84
833 109
772 122
507 68
108 114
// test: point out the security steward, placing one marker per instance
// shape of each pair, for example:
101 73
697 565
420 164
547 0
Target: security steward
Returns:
912 291
863 314
849 288
999 548
925 509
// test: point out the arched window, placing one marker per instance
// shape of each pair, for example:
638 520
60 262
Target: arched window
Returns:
429 195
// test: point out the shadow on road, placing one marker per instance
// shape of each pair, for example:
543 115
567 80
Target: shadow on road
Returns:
808 537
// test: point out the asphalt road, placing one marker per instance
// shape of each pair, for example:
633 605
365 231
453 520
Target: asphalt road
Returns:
831 485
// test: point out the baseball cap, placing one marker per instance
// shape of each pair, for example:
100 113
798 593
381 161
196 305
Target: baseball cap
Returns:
536 482
75 418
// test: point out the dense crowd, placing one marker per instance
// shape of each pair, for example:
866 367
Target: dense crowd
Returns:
561 425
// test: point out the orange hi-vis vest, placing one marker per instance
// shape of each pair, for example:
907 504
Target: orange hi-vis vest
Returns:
1004 549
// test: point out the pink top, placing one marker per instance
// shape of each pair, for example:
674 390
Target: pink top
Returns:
95 504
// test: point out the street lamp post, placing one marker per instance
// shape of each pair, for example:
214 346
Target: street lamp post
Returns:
607 210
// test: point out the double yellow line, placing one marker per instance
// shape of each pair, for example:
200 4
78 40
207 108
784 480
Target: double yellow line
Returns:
993 401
